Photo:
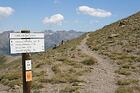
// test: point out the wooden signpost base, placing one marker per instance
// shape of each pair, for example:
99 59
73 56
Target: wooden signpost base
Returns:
26 83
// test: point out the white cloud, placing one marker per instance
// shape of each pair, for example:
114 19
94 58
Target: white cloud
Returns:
6 11
94 12
54 19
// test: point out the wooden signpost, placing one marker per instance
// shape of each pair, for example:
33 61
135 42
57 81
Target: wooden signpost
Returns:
26 43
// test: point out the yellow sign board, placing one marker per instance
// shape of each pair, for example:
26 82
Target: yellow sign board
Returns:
28 75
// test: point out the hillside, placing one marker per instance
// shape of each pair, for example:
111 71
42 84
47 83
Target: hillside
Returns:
52 38
52 70
120 42
104 61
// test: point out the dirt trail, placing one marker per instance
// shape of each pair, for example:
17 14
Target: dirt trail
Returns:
3 89
102 77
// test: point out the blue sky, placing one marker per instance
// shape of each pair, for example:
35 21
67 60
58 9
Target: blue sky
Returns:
81 15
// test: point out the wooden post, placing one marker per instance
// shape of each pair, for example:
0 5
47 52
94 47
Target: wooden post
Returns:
25 57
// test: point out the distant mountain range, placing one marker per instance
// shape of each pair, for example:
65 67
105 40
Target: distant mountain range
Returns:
52 38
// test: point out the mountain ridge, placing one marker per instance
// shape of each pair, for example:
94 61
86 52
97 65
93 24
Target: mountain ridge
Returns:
52 38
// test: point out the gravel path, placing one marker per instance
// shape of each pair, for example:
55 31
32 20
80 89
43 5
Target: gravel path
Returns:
3 89
102 77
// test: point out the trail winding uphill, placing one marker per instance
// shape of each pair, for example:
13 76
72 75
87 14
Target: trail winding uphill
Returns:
102 77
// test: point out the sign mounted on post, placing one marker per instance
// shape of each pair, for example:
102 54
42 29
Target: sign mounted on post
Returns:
28 64
26 42
28 75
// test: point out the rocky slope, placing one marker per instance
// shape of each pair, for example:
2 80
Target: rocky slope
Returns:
120 42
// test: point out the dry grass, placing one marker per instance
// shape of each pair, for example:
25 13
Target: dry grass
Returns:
89 61
127 81
120 42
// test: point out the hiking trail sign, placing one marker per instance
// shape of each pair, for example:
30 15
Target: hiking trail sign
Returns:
26 42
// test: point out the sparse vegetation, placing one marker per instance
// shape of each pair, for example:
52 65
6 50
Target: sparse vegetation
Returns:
11 79
36 85
2 59
127 81
120 42
90 61
39 64
123 71
56 69
62 78
69 89
124 90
